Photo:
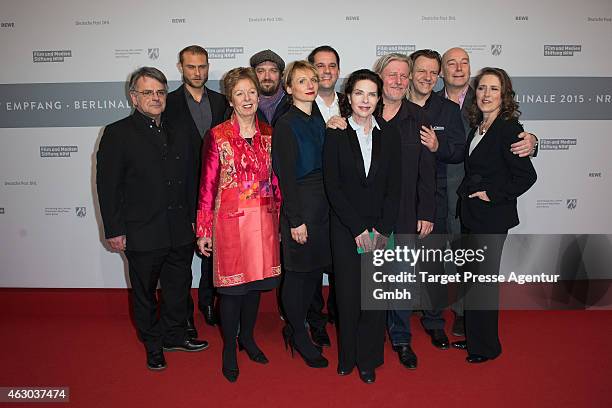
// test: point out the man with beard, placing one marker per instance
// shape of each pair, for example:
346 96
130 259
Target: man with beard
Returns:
194 109
418 168
273 100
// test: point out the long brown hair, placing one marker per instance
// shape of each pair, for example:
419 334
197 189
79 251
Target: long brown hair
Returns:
509 107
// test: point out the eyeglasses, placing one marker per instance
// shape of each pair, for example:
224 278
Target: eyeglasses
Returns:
148 93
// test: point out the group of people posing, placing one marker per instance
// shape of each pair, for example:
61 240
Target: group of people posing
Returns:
335 173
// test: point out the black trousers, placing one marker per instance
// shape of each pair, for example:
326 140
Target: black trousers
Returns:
315 317
361 332
171 267
482 299
206 289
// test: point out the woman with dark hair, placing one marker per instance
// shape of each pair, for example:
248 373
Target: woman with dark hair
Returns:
237 216
297 159
494 179
361 169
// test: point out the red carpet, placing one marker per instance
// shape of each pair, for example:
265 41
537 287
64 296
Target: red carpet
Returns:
84 339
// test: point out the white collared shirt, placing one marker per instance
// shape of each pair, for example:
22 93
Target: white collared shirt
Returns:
328 111
365 141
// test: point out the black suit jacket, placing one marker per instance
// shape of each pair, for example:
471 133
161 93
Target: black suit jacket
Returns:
418 169
178 115
359 202
147 191
445 118
493 168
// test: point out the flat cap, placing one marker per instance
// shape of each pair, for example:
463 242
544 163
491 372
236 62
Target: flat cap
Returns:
267 55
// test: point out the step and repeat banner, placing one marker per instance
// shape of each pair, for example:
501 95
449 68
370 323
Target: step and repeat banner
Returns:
65 64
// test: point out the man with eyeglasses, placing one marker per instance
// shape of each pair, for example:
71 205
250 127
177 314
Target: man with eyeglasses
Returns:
196 109
146 181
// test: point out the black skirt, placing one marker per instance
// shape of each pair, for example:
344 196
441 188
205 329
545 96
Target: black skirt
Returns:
316 252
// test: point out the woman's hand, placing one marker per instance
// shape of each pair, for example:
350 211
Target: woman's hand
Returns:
482 195
205 246
364 242
300 234
380 241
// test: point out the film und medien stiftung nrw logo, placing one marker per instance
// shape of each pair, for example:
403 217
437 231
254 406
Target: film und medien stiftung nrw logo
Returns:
51 55
384 49
58 151
561 50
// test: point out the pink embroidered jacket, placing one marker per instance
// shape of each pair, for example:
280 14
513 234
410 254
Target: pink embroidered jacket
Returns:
238 204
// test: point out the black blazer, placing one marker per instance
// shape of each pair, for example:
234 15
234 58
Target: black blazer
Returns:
147 191
445 117
493 168
178 115
357 201
418 169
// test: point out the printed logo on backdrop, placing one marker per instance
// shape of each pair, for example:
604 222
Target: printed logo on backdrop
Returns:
266 19
384 49
557 144
224 52
91 23
571 203
299 50
20 183
595 175
472 48
1 210
351 19
51 55
606 19
438 19
549 203
562 50
55 211
521 18
7 24
80 212
153 53
496 49
57 151
178 20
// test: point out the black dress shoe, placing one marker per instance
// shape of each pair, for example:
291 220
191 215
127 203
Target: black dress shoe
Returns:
406 356
438 338
190 330
209 315
367 376
187 345
458 326
320 337
231 374
476 359
344 371
461 345
156 360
